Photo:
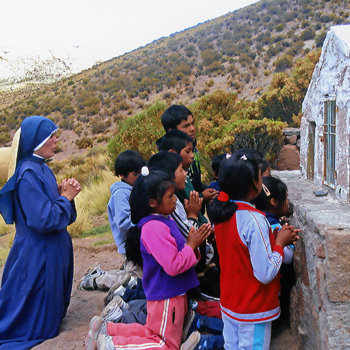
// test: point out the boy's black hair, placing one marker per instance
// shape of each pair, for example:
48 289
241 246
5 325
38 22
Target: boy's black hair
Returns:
127 162
152 186
173 116
215 164
278 190
176 140
165 161
235 178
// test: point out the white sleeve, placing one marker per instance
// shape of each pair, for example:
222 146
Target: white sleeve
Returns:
254 232
180 217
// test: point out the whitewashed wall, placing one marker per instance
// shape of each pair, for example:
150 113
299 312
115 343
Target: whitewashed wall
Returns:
331 77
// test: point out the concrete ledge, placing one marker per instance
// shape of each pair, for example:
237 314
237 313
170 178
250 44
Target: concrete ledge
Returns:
320 299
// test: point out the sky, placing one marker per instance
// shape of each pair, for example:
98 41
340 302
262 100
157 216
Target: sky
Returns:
111 26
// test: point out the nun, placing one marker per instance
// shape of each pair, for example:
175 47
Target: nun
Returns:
38 274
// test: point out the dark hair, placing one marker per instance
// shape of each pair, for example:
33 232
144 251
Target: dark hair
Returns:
264 165
127 162
278 190
215 164
152 186
176 140
235 178
251 152
173 116
165 161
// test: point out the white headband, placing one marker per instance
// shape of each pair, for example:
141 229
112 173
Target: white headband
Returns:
43 143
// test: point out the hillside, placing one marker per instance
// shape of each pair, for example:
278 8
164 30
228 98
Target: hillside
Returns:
238 52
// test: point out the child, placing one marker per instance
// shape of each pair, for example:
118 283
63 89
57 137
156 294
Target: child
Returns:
180 143
250 256
185 215
273 201
178 117
215 165
263 164
127 165
167 270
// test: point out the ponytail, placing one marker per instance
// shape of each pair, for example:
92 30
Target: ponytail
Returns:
132 246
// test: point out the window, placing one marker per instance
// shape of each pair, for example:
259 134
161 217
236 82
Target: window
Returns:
329 132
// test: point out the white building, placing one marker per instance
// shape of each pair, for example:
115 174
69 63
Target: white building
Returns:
325 126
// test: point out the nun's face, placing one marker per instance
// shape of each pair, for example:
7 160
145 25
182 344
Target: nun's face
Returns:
48 150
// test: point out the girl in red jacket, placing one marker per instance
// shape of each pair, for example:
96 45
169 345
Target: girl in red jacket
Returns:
250 256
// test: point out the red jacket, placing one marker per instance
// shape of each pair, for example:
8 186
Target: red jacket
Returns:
250 263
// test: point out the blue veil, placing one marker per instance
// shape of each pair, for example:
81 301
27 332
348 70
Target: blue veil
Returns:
34 130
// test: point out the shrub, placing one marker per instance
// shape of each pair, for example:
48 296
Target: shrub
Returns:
138 133
279 28
210 83
98 127
283 62
263 135
84 142
308 34
320 38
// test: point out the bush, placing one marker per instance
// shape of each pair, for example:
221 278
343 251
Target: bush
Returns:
279 28
139 133
308 34
283 62
84 142
320 39
263 135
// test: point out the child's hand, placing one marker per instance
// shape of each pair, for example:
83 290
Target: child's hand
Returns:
209 194
287 235
193 205
196 238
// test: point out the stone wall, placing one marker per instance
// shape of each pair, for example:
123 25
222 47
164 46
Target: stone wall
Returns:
320 300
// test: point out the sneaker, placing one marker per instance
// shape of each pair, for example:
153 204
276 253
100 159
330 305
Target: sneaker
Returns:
122 283
192 342
197 341
132 283
105 342
113 311
88 280
190 324
97 325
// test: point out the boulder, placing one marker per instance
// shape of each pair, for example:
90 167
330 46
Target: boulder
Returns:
288 158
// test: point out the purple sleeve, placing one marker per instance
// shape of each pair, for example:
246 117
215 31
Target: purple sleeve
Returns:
161 244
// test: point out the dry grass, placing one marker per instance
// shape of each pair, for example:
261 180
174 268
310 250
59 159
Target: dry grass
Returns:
92 200
5 246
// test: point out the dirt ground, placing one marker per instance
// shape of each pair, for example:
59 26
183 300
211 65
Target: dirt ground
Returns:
84 305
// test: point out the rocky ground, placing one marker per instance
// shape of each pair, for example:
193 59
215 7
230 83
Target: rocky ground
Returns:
84 305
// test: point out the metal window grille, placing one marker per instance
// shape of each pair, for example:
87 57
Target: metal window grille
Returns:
329 132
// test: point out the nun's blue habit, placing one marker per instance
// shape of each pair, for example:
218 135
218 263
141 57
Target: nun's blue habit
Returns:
38 274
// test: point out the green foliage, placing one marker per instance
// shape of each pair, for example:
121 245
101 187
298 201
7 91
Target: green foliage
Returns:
279 28
264 135
283 62
209 56
139 133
